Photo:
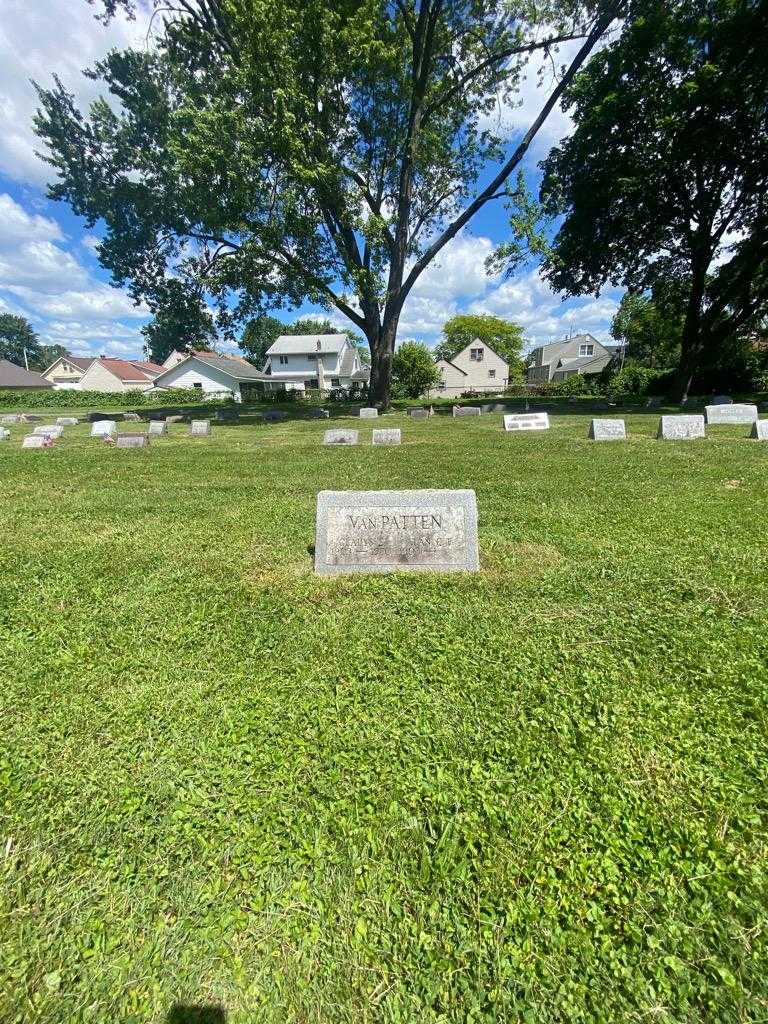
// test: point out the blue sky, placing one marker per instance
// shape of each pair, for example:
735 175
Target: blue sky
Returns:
48 269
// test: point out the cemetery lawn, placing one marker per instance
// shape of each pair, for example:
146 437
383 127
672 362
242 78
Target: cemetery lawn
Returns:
534 794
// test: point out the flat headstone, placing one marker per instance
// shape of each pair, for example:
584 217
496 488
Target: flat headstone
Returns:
67 421
340 437
681 428
37 441
133 441
157 428
369 414
49 430
418 414
133 417
733 413
174 419
721 400
607 430
101 428
467 410
12 417
396 531
200 428
389 436
275 416
759 430
5 434
527 421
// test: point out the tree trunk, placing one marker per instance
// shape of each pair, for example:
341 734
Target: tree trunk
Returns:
691 340
382 349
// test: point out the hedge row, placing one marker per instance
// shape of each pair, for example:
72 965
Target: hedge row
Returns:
49 399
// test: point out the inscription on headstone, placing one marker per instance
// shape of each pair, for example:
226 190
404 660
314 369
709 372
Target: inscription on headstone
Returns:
157 428
607 430
395 531
681 428
340 437
389 436
37 441
369 414
132 440
736 412
102 428
527 421
467 410
200 428
759 430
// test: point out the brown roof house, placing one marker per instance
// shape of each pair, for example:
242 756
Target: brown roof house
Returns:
13 376
217 376
66 372
106 374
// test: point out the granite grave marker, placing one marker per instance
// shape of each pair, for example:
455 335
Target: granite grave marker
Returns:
681 428
527 421
340 436
607 430
369 414
391 435
736 412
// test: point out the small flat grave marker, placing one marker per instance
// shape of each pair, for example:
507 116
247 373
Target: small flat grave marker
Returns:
103 428
157 428
49 430
759 430
67 421
174 419
340 437
419 414
37 441
681 428
5 434
607 430
391 435
467 410
200 428
736 412
133 441
527 421
396 531
369 414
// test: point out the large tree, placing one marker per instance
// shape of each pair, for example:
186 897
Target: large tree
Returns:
503 336
181 321
19 343
307 150
665 178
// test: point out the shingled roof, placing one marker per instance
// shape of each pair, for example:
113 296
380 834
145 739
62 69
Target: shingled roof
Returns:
13 376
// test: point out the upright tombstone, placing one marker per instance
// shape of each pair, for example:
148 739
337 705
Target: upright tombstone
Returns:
133 440
527 421
736 412
369 414
38 441
681 428
200 428
396 531
174 419
67 421
389 436
102 428
340 437
49 430
467 410
5 434
759 430
419 414
157 428
607 430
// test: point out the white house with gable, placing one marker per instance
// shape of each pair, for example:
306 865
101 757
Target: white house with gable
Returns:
296 362
476 368
215 375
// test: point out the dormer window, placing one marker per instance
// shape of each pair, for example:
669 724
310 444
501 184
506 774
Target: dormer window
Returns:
476 355
587 349
283 360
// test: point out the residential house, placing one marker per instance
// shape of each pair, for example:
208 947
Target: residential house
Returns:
173 358
15 377
215 375
581 354
296 362
122 375
66 372
477 368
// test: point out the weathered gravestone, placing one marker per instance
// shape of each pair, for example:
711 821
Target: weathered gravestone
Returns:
174 419
389 436
67 421
340 437
721 400
395 531
103 428
733 413
49 430
467 410
133 441
5 434
319 414
369 414
419 414
759 430
13 417
38 441
681 428
132 416
200 428
157 428
607 430
527 421
275 416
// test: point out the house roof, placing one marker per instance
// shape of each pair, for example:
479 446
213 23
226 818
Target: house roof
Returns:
146 364
553 350
234 366
307 344
82 362
448 362
13 376
363 374
130 372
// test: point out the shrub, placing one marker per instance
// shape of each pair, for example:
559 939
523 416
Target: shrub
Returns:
637 381
49 399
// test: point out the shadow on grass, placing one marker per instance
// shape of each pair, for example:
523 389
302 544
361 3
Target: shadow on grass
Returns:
181 1013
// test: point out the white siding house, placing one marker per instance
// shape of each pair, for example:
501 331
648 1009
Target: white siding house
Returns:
296 362
215 375
120 375
66 373
476 368
581 354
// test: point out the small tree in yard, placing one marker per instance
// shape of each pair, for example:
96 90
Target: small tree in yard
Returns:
321 151
413 370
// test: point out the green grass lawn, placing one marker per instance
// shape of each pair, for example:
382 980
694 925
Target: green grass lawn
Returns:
533 794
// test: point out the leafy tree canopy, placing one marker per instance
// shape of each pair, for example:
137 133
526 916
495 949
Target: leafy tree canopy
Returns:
18 336
181 321
503 336
665 176
319 151
650 325
413 370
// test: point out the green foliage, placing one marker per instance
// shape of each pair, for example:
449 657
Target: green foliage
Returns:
577 384
534 794
503 336
634 381
50 399
181 321
667 165
259 335
16 337
649 330
413 370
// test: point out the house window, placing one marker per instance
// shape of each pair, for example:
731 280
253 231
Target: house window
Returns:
586 350
311 383
476 355
491 373
198 385
283 360
335 382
